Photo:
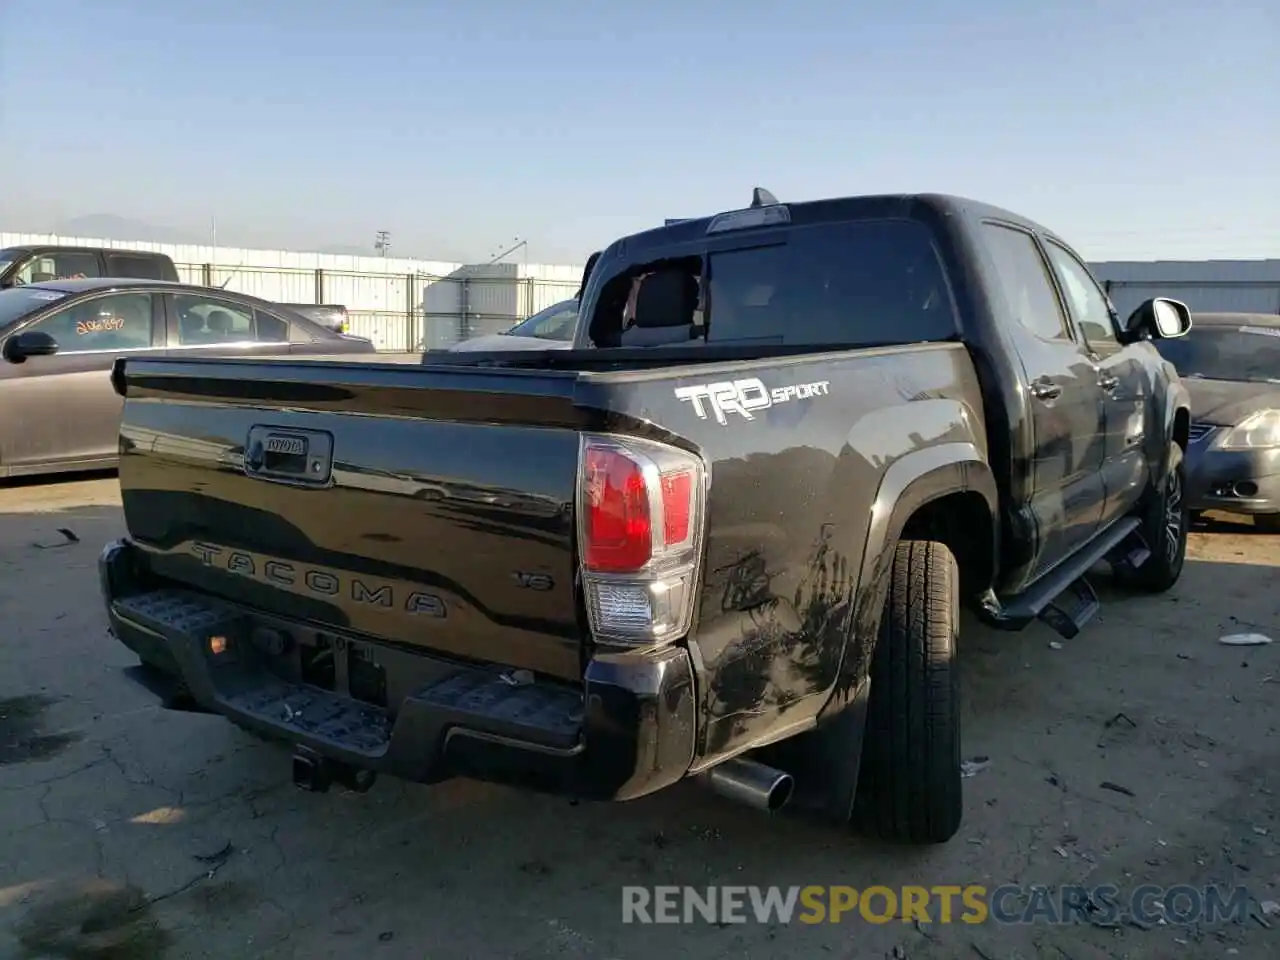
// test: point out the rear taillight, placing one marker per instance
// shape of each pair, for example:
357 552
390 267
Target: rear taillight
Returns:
640 522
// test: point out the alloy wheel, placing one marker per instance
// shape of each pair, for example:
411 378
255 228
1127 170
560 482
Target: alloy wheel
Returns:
1173 517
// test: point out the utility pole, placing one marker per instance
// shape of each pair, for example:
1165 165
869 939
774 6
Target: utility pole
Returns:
382 243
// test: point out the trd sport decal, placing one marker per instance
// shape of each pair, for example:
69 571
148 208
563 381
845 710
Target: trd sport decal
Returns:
743 397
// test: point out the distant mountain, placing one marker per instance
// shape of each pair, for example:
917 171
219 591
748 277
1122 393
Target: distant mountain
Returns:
111 227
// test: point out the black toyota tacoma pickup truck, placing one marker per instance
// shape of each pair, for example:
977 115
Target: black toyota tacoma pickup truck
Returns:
727 536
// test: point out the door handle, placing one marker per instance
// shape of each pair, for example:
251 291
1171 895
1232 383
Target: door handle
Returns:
1045 389
1107 382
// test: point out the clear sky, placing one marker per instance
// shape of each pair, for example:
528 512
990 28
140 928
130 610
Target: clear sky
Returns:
1136 128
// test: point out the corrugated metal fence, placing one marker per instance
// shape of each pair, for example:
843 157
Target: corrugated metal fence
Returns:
408 311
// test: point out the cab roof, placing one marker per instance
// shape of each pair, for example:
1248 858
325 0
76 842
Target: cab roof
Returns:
675 233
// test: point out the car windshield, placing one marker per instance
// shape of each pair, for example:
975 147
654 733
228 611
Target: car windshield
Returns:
557 322
1226 353
17 302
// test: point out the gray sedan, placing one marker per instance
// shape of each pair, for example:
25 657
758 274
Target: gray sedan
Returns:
549 329
58 340
1230 363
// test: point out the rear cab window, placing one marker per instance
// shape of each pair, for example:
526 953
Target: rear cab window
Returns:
141 266
838 284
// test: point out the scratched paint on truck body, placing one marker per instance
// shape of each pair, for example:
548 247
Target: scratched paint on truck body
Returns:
785 541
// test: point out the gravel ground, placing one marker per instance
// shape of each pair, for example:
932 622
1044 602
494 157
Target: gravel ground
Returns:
131 833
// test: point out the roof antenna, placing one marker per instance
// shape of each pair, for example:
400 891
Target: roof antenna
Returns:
760 197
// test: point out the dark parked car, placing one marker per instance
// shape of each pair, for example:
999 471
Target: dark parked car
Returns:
739 555
1230 363
59 339
38 264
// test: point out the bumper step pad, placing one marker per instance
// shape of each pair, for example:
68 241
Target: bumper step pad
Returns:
485 700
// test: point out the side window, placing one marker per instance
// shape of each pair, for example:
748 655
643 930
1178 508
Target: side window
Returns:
119 321
300 334
59 265
1025 280
270 329
208 321
1089 306
145 268
860 282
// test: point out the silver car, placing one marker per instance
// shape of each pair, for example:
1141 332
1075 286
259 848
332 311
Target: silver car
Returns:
59 340
549 329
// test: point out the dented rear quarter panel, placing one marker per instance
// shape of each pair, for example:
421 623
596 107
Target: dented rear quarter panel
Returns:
789 599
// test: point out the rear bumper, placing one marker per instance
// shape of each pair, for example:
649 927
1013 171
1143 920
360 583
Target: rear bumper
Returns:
627 731
1238 481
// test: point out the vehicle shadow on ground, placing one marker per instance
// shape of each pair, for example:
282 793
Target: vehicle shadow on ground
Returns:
177 835
1215 522
53 481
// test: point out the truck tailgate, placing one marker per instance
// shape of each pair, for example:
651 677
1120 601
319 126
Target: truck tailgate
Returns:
423 507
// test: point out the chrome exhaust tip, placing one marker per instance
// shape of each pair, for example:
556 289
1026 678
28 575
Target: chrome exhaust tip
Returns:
751 784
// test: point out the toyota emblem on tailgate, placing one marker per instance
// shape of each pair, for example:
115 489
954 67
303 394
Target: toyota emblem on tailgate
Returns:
289 456
283 443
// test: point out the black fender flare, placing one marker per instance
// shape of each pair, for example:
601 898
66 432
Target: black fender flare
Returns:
911 482
1178 401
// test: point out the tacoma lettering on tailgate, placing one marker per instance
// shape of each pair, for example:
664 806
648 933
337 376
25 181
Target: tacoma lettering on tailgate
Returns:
318 581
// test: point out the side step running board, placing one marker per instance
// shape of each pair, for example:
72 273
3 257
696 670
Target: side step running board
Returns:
1136 552
1064 598
1071 609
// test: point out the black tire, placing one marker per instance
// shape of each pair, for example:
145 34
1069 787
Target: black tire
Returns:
1166 522
909 787
1267 522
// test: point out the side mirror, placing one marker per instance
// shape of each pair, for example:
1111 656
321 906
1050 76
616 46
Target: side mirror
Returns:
1160 317
31 343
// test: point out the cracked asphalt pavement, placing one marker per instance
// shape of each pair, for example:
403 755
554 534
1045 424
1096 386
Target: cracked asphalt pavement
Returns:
130 832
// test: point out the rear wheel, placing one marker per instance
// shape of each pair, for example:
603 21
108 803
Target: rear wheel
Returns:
1166 522
909 781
